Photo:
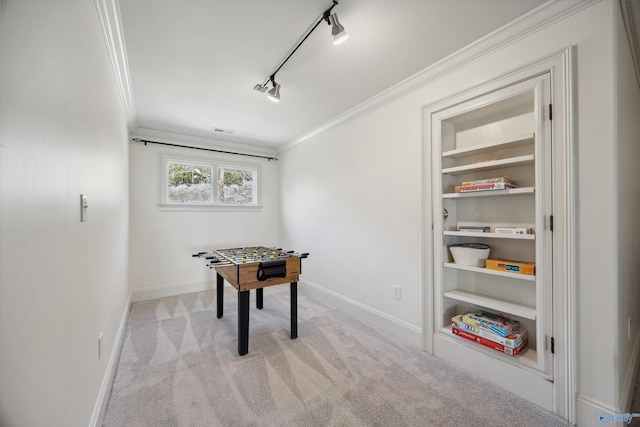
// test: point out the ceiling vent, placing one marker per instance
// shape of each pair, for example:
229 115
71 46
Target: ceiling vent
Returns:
221 130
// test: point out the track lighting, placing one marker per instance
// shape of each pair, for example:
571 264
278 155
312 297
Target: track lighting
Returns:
274 93
337 32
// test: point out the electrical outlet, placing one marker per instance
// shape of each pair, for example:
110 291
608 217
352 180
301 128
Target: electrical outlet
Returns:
100 346
396 292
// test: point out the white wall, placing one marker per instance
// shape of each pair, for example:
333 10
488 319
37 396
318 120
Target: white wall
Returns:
596 290
62 282
351 195
162 242
351 198
627 112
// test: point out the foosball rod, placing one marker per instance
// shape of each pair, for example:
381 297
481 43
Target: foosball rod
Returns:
301 255
203 254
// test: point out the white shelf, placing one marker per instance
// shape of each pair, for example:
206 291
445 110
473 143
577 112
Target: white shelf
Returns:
490 235
511 142
492 303
489 271
489 165
505 192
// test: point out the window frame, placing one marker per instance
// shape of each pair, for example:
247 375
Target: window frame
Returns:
254 189
216 164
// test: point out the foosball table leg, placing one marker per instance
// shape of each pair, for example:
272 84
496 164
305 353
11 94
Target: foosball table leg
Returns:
219 294
243 322
294 310
259 298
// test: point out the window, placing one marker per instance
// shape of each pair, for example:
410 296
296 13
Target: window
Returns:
236 185
207 183
189 183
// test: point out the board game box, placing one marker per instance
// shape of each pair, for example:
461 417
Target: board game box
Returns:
498 183
500 325
478 229
520 267
502 179
513 230
488 343
483 187
514 340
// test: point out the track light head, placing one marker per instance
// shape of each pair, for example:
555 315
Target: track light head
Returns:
339 36
274 93
337 30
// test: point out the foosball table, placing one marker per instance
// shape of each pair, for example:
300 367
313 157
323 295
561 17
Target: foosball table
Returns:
251 268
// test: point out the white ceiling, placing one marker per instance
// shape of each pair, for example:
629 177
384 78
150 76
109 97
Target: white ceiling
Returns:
193 63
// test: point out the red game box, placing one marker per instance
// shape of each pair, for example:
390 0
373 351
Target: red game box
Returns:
488 343
513 341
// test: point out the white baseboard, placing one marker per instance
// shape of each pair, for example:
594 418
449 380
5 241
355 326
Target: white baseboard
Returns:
373 317
156 292
626 396
588 412
100 407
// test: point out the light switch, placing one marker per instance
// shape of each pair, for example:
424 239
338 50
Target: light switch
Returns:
83 208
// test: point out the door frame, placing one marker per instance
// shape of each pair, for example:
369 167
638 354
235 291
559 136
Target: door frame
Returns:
561 66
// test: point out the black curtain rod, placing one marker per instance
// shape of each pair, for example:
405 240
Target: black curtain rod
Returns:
146 141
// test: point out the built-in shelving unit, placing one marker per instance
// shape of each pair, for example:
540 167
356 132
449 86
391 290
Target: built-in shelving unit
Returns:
499 134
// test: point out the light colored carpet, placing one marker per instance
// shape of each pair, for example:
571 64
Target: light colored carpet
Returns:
179 366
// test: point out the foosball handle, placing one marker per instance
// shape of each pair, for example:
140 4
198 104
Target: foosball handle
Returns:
304 255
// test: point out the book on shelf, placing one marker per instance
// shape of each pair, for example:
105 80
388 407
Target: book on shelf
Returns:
510 351
514 340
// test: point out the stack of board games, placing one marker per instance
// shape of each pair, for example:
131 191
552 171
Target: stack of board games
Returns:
498 183
492 331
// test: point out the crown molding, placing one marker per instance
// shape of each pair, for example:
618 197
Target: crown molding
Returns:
110 18
542 17
631 16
